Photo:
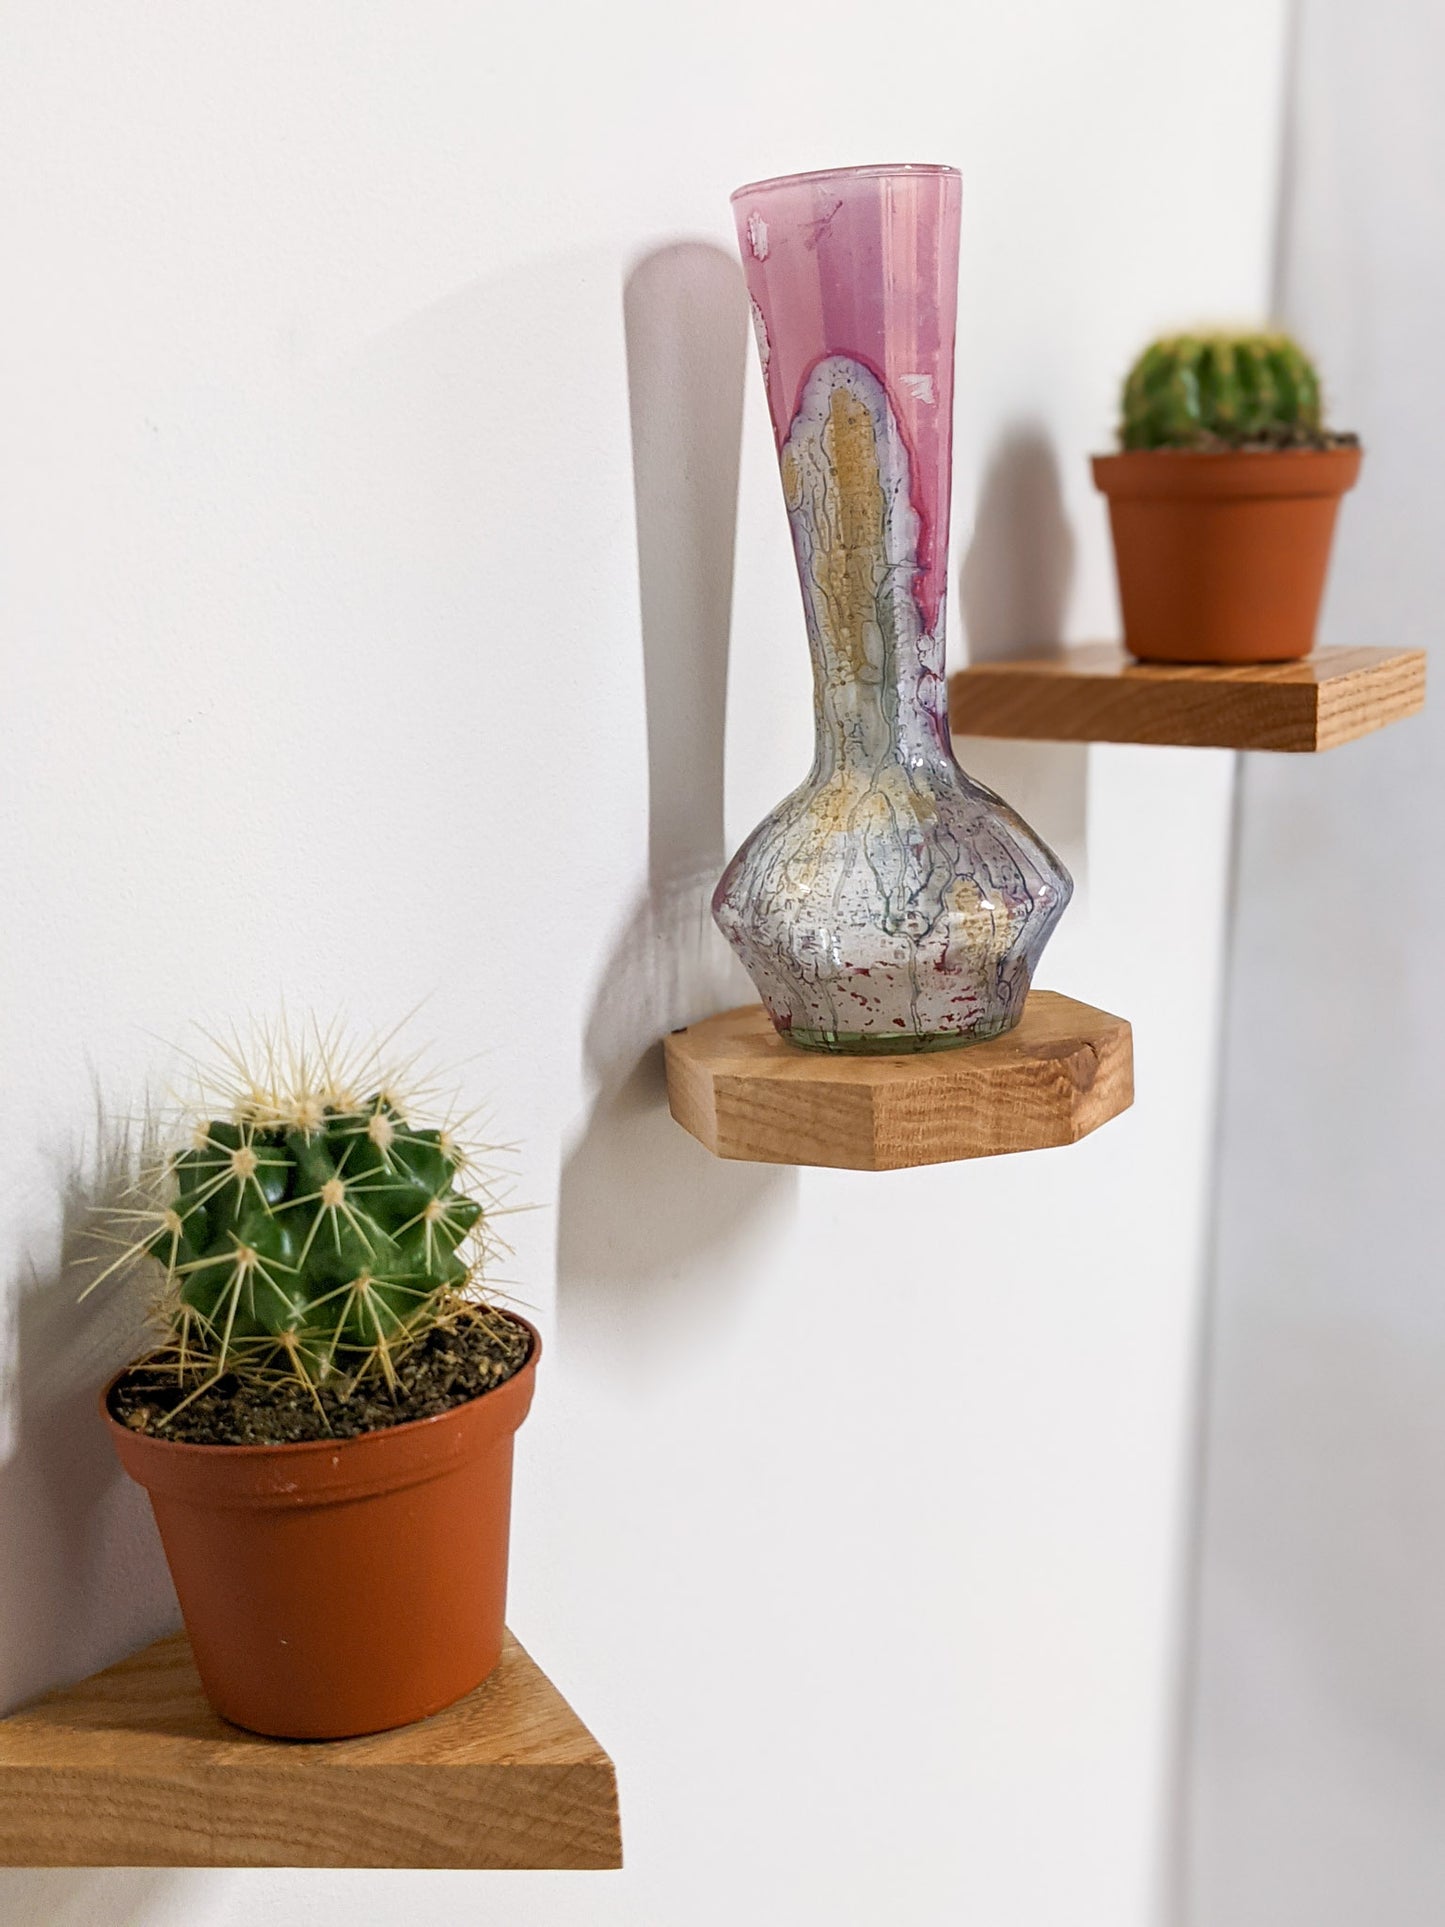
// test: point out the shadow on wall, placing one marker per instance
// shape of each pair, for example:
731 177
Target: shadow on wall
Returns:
94 1896
1017 573
83 1573
638 1197
1014 589
83 1581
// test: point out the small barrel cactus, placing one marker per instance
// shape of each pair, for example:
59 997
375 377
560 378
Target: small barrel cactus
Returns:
1222 391
311 1229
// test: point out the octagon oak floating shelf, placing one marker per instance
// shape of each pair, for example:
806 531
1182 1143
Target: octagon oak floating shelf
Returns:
1098 694
743 1092
131 1768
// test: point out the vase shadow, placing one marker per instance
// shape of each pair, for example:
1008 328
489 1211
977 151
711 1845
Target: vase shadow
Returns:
1019 566
1013 590
638 1198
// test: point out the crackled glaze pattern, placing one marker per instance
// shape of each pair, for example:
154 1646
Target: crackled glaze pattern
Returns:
890 903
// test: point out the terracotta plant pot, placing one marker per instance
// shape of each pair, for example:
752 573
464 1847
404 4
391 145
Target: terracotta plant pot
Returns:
340 1587
1222 556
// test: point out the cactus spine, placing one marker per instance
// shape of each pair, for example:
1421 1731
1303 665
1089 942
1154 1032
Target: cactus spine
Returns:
1222 391
310 1227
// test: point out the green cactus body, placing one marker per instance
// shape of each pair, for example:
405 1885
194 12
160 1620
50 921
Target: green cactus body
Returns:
1222 391
316 1242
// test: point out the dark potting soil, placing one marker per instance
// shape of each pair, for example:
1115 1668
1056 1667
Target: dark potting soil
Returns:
1315 439
474 1353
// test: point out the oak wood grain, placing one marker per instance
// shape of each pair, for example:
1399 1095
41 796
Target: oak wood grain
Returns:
745 1093
132 1768
1098 694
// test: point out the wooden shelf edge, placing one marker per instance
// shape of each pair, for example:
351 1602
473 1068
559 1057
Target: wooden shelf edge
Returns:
1097 693
746 1094
132 1768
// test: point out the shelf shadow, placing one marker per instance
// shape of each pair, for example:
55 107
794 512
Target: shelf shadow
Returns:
86 1896
638 1198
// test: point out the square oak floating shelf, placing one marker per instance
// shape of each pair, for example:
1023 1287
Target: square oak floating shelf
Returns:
1099 694
131 1768
743 1092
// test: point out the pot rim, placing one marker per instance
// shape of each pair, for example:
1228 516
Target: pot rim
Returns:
237 1454
1165 474
1223 454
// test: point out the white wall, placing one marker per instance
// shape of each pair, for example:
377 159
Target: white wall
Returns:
1318 1754
372 381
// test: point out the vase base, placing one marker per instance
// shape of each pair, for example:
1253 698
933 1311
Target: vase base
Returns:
860 1043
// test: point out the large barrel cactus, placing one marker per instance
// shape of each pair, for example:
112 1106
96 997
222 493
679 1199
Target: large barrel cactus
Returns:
311 1229
1222 391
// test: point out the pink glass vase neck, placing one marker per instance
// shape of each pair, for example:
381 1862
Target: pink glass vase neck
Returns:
862 263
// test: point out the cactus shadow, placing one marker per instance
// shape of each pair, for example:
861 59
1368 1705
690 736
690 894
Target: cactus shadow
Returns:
1014 590
84 1580
639 1201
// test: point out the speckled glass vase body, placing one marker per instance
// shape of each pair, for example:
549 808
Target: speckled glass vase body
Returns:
890 903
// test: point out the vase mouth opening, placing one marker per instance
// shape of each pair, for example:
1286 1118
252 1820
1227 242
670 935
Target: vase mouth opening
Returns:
883 170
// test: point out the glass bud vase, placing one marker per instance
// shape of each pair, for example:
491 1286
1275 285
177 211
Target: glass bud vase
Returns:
890 903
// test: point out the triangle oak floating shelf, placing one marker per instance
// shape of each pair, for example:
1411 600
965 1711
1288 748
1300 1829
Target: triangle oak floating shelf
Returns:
743 1092
1098 694
131 1768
